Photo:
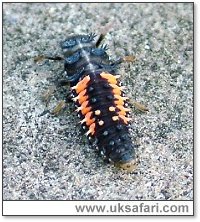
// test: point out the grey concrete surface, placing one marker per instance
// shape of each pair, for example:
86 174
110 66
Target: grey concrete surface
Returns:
47 157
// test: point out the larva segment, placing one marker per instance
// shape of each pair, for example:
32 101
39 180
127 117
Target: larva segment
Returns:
88 120
81 97
80 86
84 108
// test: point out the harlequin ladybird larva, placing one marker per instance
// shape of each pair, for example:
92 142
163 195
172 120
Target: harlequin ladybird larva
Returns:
99 97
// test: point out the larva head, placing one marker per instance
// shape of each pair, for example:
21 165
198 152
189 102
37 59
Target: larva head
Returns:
75 42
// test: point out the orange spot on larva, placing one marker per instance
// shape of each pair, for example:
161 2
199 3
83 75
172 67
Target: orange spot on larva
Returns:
82 97
80 86
123 110
115 118
125 119
88 120
91 129
97 112
84 108
101 122
116 89
119 100
111 78
111 108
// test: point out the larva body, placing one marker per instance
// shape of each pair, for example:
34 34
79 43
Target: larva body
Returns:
99 98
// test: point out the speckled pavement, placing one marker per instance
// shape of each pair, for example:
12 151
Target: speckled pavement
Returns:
47 157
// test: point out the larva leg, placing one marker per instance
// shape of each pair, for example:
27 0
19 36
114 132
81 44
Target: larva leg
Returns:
51 90
47 95
43 57
62 82
129 58
59 108
44 113
100 39
139 106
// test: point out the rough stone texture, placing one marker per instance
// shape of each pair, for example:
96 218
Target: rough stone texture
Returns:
47 157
